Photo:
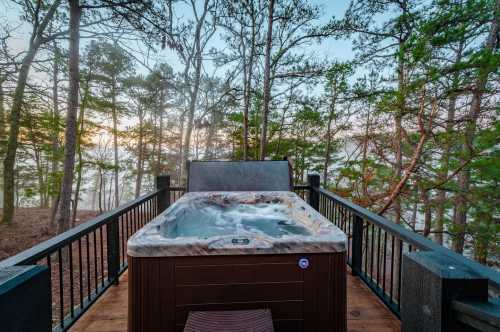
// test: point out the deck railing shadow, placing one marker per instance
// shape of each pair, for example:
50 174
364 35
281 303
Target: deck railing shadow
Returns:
85 261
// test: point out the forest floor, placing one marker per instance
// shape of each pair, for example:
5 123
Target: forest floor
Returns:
30 227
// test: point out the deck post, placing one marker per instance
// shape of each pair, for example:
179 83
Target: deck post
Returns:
113 250
313 182
163 199
431 282
25 298
357 245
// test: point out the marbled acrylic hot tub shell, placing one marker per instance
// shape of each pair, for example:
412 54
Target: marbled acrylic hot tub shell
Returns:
237 223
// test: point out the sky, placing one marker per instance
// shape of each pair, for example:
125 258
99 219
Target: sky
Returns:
329 49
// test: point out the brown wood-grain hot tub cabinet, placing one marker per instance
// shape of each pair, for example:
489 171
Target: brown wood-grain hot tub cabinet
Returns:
162 290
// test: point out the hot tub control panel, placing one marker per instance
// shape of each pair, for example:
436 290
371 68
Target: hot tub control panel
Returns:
240 241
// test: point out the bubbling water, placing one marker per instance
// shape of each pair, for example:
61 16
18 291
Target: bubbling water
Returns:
219 216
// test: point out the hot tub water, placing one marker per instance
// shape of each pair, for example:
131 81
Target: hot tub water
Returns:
212 217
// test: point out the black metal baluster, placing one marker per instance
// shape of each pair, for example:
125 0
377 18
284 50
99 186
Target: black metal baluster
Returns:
138 210
338 219
102 255
155 205
334 221
320 204
400 261
371 250
128 216
325 205
348 236
150 209
334 205
61 287
141 208
366 247
88 264
378 255
49 266
345 217
330 211
135 219
343 213
392 267
95 262
71 295
122 232
80 268
385 260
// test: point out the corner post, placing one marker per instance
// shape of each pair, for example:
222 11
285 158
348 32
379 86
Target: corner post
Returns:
113 250
357 245
313 182
163 198
431 282
25 298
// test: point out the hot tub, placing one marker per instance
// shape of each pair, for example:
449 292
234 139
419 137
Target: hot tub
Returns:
237 251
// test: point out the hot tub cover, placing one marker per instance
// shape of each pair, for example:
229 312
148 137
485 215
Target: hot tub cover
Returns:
237 223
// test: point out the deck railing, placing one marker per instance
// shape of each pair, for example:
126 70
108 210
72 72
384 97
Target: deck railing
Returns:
84 261
375 251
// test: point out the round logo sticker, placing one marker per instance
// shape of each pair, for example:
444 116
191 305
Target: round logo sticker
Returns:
303 263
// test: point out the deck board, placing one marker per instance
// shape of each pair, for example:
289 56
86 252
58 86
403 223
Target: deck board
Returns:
365 312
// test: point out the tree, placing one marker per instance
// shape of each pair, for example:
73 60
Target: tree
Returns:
37 38
380 44
63 217
337 87
267 81
191 54
113 66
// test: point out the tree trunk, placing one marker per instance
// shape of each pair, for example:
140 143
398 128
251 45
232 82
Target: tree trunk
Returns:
396 190
79 168
2 118
180 172
140 157
460 216
101 186
70 132
193 94
160 133
398 129
41 181
267 81
365 159
15 114
192 106
211 131
246 68
12 143
115 142
248 87
424 196
329 137
443 174
55 183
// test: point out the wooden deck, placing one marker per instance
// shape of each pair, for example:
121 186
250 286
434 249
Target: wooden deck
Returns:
364 310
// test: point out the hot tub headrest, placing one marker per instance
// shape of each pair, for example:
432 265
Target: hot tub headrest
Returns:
267 175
